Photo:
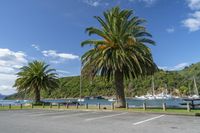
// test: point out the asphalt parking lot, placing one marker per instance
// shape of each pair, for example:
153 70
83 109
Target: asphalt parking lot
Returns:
72 121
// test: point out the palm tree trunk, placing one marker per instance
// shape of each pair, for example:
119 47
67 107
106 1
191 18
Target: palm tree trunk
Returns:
119 86
37 95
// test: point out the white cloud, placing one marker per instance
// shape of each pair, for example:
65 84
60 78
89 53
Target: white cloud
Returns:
54 54
96 3
194 4
147 2
163 67
93 3
193 22
57 58
170 30
174 68
10 62
180 66
7 90
63 71
36 47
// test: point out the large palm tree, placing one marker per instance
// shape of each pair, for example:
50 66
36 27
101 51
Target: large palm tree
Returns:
34 77
121 51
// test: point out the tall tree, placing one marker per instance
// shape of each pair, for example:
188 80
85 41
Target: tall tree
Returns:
121 51
34 77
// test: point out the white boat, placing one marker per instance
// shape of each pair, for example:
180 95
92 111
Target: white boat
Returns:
112 100
153 96
141 97
196 95
81 100
150 97
164 96
25 101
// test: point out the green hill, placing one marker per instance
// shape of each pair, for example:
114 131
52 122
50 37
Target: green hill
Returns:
192 70
176 82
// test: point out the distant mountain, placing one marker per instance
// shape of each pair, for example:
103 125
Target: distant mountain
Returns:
2 96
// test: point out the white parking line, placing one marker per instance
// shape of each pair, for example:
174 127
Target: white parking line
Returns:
140 122
108 116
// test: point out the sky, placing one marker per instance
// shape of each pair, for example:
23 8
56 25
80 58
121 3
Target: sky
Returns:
52 30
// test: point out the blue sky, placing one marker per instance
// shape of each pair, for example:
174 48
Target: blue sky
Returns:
52 30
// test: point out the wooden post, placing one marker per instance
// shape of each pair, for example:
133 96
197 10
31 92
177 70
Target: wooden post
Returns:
58 105
86 106
192 104
144 106
21 106
164 107
9 106
77 106
67 105
99 106
188 107
112 106
50 105
127 107
32 106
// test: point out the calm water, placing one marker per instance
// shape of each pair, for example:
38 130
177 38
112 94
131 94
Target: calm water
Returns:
131 102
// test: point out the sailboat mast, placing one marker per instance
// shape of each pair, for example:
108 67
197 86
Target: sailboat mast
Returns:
195 85
190 92
81 83
153 89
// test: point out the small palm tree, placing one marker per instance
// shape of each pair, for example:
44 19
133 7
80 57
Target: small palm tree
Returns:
34 77
121 52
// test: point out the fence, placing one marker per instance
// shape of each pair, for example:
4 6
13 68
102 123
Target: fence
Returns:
86 106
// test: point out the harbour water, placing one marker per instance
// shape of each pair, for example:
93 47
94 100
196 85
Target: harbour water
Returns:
131 102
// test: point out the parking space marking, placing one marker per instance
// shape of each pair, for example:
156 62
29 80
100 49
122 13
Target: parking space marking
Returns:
102 117
140 122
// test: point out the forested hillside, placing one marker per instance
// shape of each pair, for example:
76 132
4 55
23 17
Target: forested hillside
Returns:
175 82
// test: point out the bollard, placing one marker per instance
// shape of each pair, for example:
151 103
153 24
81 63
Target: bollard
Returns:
43 105
86 106
164 107
9 106
21 106
112 106
32 106
144 106
67 105
127 107
77 106
99 106
188 107
50 105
